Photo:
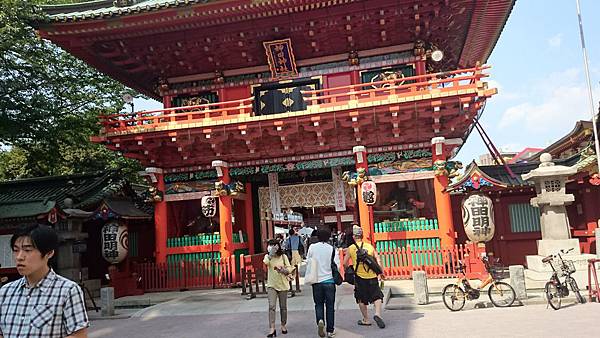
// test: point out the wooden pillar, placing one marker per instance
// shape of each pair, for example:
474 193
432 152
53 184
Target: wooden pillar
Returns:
249 218
167 101
364 213
442 198
160 216
225 210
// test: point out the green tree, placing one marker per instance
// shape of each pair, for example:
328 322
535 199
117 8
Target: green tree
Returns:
49 102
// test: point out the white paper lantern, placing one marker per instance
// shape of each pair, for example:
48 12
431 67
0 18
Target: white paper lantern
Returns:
208 205
115 242
478 218
369 192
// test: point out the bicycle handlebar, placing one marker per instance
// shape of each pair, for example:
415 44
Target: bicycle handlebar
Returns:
562 251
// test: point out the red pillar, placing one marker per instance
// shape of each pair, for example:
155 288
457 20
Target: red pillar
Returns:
443 204
225 210
249 218
160 216
420 66
364 212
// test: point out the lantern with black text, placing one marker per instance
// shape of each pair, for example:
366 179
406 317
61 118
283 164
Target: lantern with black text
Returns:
115 242
369 192
478 218
209 206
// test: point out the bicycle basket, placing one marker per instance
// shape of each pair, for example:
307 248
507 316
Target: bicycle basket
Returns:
564 268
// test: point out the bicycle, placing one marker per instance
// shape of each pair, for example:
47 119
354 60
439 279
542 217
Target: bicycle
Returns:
554 289
501 294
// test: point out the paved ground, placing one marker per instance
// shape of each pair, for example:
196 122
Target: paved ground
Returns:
224 313
526 321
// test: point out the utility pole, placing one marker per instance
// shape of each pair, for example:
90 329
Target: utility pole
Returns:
589 85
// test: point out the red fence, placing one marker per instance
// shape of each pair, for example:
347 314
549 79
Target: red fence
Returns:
400 263
187 274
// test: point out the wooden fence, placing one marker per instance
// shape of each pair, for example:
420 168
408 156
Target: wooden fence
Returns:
436 262
183 274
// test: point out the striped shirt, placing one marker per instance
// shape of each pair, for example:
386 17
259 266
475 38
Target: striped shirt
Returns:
52 308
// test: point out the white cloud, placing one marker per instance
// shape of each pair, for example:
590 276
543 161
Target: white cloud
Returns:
555 41
562 105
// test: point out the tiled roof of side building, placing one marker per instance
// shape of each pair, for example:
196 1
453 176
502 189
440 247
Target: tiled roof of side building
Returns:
83 189
499 172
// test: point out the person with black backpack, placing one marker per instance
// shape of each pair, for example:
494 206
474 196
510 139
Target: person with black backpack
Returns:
368 272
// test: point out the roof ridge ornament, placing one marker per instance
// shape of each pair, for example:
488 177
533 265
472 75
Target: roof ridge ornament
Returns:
124 3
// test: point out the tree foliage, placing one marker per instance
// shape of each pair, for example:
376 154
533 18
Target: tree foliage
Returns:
49 102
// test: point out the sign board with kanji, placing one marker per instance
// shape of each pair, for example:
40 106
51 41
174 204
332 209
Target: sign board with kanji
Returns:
280 57
115 242
368 191
478 218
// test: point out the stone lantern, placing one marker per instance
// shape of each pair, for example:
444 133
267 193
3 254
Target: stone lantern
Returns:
551 199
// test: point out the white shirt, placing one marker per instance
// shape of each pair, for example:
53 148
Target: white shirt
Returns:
321 252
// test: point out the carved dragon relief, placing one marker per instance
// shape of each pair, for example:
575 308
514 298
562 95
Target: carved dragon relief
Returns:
231 189
354 179
447 168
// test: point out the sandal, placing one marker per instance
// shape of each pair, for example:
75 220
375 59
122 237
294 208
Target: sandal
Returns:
362 323
379 322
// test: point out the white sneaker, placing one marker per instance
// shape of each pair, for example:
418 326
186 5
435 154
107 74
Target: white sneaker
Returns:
330 334
321 328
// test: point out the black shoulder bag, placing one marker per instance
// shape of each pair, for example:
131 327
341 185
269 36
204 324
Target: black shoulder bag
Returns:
337 277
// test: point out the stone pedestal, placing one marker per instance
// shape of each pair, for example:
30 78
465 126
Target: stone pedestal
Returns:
107 300
421 290
517 281
547 247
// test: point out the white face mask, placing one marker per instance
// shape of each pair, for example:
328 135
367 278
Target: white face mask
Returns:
272 249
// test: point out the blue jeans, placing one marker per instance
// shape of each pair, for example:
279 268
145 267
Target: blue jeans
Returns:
324 295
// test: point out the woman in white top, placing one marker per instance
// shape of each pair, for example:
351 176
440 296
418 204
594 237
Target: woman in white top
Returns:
324 289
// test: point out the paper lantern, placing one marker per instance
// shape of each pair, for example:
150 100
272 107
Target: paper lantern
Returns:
115 242
209 206
369 192
478 218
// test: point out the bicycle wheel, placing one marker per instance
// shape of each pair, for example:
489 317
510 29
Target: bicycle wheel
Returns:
553 295
501 294
575 288
454 297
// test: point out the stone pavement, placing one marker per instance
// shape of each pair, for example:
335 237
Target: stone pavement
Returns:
530 321
225 313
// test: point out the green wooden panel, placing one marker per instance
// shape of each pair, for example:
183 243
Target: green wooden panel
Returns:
524 217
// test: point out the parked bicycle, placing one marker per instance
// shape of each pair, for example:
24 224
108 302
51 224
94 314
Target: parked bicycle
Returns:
501 294
555 289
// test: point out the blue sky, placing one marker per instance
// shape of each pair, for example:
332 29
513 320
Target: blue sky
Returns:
537 66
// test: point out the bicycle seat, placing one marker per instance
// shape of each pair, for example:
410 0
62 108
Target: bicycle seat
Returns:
547 259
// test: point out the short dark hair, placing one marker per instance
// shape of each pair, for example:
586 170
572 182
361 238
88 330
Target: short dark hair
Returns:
292 232
323 234
278 243
43 237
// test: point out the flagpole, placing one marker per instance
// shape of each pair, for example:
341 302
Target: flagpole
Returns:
589 85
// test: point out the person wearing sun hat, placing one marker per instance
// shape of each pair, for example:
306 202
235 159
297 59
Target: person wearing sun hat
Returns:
366 283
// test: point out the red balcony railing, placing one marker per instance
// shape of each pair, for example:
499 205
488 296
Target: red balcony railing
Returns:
400 86
328 97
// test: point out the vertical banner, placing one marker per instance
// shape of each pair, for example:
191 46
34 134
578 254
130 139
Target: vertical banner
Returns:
338 189
274 194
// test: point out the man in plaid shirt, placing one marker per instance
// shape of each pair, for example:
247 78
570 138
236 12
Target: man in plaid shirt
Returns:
41 304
